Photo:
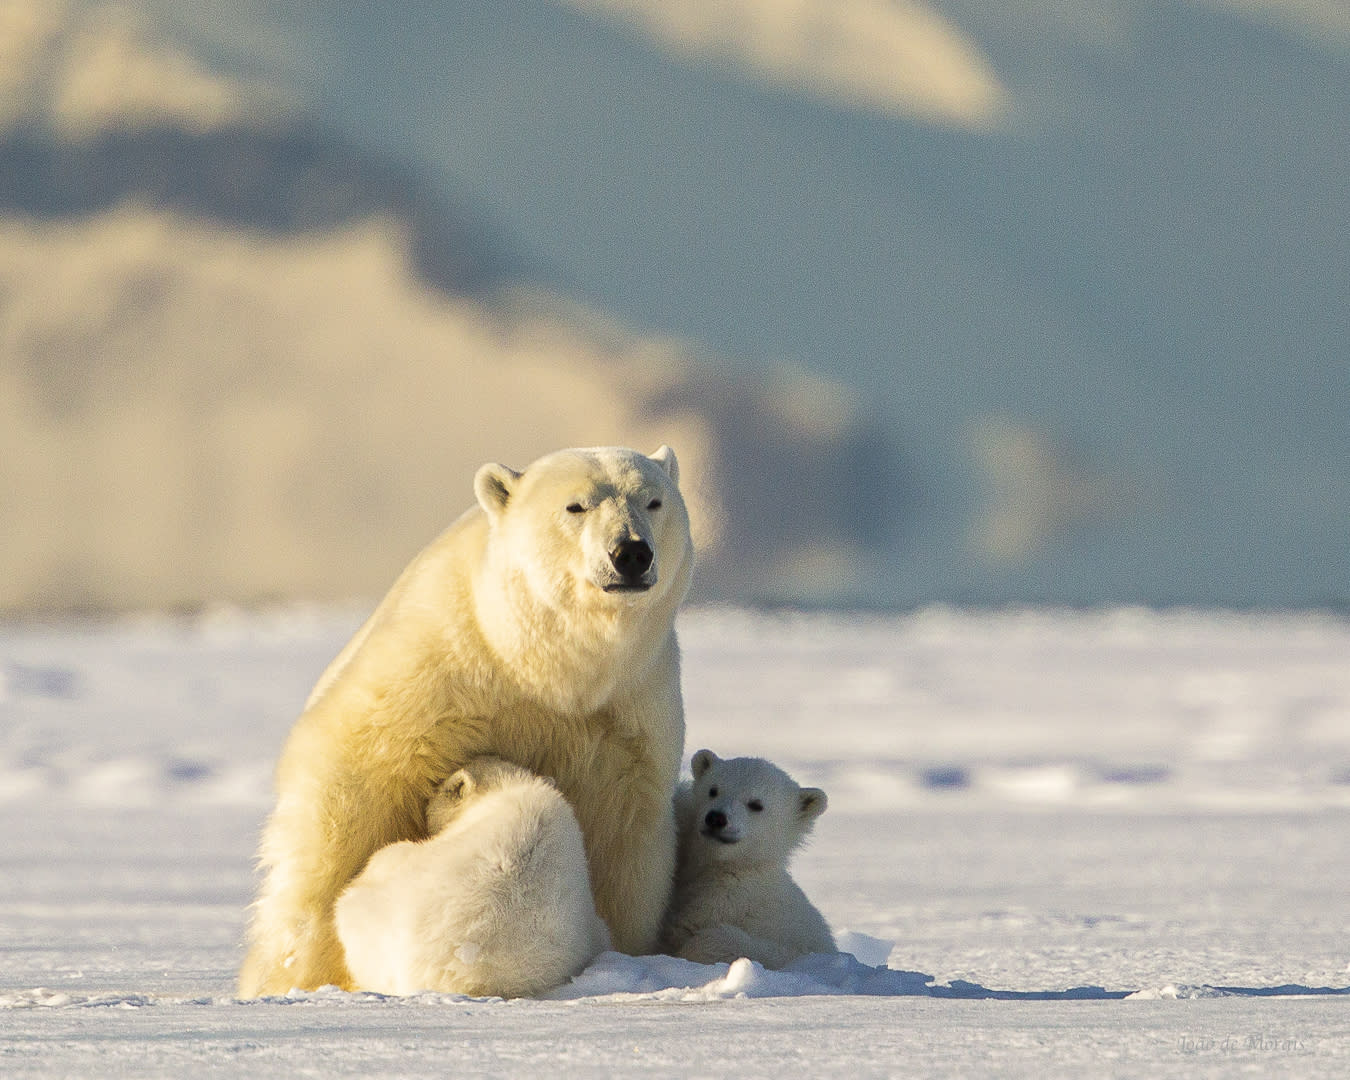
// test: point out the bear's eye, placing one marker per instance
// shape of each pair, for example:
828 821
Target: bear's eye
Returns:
712 793
755 805
575 508
655 504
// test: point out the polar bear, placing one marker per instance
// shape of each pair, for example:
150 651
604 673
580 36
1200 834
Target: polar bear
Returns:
739 822
496 901
539 628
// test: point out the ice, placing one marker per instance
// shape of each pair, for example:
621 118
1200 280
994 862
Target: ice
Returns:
1058 843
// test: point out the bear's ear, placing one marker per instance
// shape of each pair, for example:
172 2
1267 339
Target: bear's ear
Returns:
446 800
493 485
702 762
811 803
665 457
458 785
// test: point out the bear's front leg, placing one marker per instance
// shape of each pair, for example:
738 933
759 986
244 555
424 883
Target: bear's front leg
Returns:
317 840
294 939
623 800
293 953
723 944
632 879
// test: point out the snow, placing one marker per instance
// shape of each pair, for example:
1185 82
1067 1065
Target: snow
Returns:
1058 843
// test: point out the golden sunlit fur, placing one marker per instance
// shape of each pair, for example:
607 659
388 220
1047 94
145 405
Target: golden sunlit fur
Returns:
506 637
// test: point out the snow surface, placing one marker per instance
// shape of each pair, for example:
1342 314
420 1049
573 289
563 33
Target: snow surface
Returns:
1093 843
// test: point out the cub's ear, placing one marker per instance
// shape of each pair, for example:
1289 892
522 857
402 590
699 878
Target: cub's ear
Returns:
702 762
458 785
811 803
493 485
446 800
665 457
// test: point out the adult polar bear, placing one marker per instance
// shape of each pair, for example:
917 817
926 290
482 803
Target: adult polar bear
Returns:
539 628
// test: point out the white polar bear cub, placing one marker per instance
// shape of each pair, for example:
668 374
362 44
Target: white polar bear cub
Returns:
519 918
739 822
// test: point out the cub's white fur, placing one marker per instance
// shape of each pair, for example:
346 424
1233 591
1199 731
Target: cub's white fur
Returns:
539 628
739 821
496 901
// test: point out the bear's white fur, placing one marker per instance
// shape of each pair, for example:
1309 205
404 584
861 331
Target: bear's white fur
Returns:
740 821
539 628
496 901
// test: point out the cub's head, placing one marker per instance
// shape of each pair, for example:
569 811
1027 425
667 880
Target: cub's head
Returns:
747 809
477 778
604 526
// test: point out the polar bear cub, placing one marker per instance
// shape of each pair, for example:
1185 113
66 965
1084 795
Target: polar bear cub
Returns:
739 822
496 902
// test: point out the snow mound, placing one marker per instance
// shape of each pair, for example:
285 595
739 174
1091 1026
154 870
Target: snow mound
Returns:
615 977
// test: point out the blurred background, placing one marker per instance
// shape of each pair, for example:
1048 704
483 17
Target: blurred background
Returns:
1035 301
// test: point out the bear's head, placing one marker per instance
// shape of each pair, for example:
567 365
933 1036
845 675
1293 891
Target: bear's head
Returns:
601 527
748 810
478 777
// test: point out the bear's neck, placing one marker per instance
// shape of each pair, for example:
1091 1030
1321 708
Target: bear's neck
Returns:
575 657
698 867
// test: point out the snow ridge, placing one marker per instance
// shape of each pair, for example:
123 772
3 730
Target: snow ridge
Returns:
615 978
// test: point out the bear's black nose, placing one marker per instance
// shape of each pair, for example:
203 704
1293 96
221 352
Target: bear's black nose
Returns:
632 559
715 820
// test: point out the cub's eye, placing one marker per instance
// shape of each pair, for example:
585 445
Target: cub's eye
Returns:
712 793
755 805
576 508
655 504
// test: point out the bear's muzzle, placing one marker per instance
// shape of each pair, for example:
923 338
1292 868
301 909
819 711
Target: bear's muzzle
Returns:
632 560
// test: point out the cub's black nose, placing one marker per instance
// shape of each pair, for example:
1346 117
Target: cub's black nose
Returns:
632 559
715 820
